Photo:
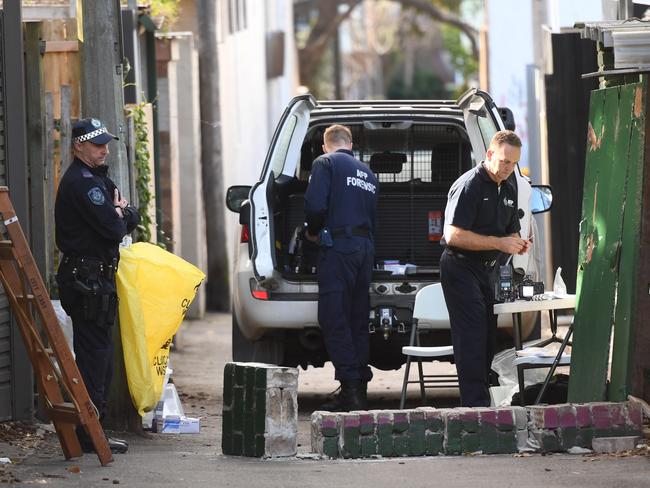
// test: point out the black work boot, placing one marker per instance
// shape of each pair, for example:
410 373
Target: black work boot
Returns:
117 446
352 396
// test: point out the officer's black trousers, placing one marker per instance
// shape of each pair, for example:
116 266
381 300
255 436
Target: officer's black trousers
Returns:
344 275
92 342
469 293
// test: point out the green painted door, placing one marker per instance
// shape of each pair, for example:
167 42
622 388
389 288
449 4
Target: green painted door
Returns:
609 243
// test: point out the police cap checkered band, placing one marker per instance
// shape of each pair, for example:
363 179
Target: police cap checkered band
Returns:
91 135
91 129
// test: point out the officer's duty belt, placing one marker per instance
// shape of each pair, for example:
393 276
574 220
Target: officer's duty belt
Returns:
93 265
354 231
471 259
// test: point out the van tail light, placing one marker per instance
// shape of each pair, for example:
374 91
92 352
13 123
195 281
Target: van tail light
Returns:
257 291
260 294
245 235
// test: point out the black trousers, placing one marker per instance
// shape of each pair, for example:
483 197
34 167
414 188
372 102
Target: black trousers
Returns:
344 275
92 329
468 287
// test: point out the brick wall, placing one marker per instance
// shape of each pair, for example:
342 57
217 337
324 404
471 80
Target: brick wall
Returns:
260 410
430 432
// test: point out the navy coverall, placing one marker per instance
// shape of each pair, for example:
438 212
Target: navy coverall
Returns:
342 198
88 233
478 204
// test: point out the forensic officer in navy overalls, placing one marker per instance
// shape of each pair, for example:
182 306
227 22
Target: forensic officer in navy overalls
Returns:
340 208
481 225
91 219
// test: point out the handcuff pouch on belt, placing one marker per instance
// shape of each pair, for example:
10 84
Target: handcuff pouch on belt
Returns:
94 280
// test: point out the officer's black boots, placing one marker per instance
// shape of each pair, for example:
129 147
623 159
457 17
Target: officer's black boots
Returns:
352 396
117 446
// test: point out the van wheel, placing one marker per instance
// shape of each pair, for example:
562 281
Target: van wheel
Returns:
269 350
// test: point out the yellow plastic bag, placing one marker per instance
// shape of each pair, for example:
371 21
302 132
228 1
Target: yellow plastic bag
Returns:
155 289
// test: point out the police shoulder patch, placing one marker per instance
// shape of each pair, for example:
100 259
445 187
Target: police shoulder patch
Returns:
96 196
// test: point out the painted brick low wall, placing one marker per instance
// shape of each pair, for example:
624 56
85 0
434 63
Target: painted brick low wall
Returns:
260 410
559 427
430 432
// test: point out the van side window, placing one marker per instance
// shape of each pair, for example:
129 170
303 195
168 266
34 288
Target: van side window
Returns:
282 145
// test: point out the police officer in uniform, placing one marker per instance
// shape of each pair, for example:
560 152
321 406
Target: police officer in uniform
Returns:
340 207
481 225
91 219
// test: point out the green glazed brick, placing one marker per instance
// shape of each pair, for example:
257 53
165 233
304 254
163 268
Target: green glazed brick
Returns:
401 445
226 421
237 444
506 442
416 433
505 420
240 375
385 444
249 437
384 426
260 411
351 447
368 445
435 422
228 384
470 421
366 423
249 388
568 437
453 446
550 442
260 378
400 422
331 447
329 426
453 424
470 442
585 436
226 443
433 443
238 409
489 438
259 445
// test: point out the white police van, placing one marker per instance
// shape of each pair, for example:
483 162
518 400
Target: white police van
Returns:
417 149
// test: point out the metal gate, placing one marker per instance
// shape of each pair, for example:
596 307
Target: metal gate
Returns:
16 377
6 393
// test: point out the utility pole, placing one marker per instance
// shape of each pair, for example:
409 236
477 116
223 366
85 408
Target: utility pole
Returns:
102 92
102 96
217 287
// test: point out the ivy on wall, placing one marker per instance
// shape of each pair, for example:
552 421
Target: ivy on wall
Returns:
142 170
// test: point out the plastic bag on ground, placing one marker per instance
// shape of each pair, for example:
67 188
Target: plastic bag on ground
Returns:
504 365
155 289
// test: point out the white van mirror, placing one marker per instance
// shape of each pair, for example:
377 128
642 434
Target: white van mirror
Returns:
541 199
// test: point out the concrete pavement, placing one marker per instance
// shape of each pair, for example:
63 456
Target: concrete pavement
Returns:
196 460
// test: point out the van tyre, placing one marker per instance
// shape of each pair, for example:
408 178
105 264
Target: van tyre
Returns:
269 350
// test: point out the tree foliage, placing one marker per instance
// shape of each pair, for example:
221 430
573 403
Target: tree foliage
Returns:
331 13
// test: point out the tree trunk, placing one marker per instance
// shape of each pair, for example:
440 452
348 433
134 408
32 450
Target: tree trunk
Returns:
218 288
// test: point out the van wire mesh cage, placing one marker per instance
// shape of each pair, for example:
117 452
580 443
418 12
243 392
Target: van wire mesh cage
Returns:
415 163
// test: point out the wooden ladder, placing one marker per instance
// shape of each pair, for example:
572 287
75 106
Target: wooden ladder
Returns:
59 382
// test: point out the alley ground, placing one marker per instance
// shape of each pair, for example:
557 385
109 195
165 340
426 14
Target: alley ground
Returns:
196 460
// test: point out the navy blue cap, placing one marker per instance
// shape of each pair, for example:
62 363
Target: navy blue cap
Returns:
92 130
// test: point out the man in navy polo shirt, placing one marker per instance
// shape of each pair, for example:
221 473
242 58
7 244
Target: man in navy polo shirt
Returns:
481 224
340 208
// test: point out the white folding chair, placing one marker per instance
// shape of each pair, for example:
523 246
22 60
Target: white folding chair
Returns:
430 312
